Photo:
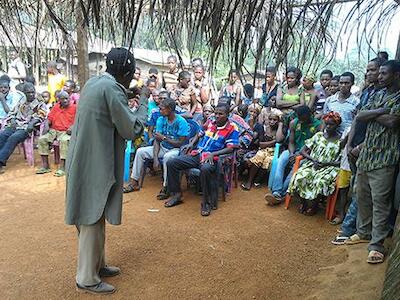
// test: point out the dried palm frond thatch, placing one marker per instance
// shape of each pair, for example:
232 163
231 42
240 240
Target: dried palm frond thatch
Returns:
260 31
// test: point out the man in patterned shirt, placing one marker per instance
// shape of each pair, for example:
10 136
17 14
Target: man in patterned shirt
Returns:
220 137
378 160
21 122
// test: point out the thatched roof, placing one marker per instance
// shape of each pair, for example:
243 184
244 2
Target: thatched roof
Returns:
262 30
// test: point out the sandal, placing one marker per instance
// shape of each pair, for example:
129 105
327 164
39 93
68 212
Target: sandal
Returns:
43 171
59 173
311 211
302 207
340 240
163 194
375 257
130 188
271 200
244 187
355 239
175 200
205 213
336 221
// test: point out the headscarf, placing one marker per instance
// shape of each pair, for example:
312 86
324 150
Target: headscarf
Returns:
334 116
311 77
277 113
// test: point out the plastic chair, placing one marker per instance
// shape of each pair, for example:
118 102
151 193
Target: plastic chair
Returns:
274 164
296 166
28 145
330 210
127 160
227 174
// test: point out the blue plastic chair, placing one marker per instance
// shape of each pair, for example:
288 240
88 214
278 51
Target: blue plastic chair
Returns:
127 160
274 164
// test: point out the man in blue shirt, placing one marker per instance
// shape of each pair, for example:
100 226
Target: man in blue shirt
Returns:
343 102
155 114
170 134
219 137
8 100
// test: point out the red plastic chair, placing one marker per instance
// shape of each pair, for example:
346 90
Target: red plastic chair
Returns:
296 166
330 211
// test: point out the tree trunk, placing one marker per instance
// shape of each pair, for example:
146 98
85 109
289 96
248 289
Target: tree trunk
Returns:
82 47
398 48
391 286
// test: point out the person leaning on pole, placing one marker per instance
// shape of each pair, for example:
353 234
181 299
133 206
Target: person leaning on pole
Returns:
95 165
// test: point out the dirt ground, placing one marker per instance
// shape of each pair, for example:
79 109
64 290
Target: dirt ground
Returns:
244 250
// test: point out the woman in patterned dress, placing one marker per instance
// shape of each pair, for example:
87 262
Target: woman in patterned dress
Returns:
317 175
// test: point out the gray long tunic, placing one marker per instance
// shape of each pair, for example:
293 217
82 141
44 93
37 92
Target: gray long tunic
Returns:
95 161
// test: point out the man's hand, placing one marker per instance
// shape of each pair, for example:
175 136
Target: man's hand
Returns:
209 159
383 110
159 137
355 152
187 148
156 164
30 128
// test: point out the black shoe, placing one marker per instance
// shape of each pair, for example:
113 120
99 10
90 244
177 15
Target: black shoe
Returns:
109 271
102 288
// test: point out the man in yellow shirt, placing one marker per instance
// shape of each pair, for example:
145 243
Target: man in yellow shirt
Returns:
56 80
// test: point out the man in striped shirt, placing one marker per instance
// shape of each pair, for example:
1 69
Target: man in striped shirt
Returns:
219 137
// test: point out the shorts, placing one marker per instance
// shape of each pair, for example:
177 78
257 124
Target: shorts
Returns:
344 179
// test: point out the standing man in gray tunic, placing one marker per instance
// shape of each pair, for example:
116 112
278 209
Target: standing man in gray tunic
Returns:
95 165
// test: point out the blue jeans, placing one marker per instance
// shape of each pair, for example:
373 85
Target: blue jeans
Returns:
280 184
9 139
349 225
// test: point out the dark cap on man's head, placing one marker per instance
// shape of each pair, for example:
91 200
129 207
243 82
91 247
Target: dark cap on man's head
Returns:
120 61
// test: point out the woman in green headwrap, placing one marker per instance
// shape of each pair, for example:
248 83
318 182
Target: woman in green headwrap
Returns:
310 93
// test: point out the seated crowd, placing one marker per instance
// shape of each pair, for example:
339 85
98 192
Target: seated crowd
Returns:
48 116
346 142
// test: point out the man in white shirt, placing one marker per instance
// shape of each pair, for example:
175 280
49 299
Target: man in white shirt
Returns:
16 69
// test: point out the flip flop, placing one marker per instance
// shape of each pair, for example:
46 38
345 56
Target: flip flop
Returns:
340 240
42 171
375 257
174 201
